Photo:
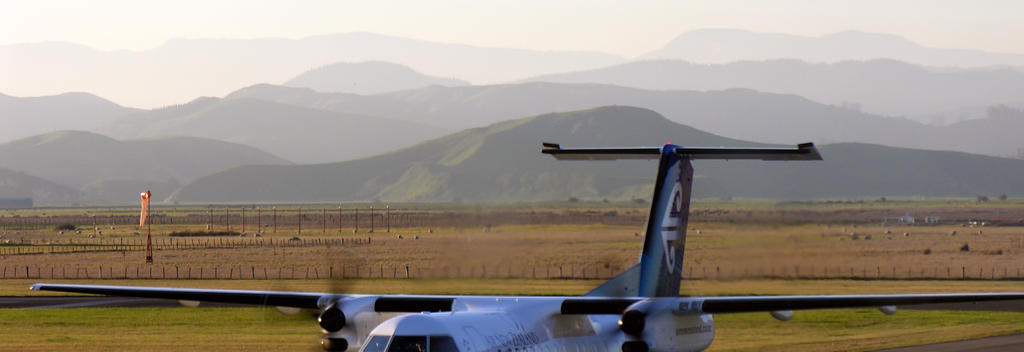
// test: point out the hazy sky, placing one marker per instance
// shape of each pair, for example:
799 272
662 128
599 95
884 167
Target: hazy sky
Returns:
627 28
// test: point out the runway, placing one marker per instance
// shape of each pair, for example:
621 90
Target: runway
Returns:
989 344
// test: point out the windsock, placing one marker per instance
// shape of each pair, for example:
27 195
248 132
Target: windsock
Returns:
144 196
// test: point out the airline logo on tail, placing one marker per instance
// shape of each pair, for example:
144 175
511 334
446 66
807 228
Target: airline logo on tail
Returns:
670 227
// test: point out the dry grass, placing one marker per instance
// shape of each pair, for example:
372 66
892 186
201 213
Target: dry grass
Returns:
714 251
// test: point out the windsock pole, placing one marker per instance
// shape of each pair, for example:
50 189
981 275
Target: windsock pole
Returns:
143 220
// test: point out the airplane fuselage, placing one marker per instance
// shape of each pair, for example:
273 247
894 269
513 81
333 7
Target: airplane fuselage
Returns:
501 324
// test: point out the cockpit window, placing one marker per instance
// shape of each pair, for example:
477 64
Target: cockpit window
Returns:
376 344
408 344
442 344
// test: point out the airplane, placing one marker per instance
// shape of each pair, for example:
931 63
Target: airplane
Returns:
639 310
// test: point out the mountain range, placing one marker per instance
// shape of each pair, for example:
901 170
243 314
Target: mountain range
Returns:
27 116
501 162
884 87
109 170
366 78
724 45
737 113
182 69
299 134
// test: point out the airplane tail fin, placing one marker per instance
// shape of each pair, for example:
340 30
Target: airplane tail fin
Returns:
659 272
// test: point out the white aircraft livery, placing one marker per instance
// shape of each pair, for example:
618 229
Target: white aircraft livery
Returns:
639 310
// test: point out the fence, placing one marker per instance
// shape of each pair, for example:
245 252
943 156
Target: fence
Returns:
563 272
36 247
322 219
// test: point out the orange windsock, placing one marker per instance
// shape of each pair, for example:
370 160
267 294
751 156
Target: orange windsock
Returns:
144 196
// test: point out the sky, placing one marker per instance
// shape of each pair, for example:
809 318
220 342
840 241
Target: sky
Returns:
625 28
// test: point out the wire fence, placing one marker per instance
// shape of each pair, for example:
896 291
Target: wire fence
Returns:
563 272
37 247
321 219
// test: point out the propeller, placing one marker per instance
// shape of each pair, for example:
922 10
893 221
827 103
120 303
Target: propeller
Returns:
339 260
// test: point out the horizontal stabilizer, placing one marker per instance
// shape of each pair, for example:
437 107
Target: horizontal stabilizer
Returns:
805 151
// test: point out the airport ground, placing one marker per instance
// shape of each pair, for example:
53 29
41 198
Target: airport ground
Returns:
733 248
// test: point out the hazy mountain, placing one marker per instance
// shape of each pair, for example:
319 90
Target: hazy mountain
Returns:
998 133
296 133
883 87
78 159
737 113
43 192
23 117
183 69
718 46
127 191
370 77
502 162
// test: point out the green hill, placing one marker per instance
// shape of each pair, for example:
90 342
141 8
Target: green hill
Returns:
501 162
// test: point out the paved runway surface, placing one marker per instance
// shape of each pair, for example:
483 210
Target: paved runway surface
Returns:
991 344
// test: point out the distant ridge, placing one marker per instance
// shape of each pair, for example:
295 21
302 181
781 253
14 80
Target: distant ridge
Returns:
883 86
502 162
27 116
722 45
300 134
170 75
738 113
369 77
18 184
94 163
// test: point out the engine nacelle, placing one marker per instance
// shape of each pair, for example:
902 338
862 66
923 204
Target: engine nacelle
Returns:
331 319
663 325
345 321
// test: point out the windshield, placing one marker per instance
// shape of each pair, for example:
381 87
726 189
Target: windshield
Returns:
376 344
410 344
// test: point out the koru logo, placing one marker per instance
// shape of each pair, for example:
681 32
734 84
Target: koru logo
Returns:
670 224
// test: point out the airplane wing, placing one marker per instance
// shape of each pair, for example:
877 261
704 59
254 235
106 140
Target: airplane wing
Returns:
742 304
310 300
569 305
270 298
747 304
